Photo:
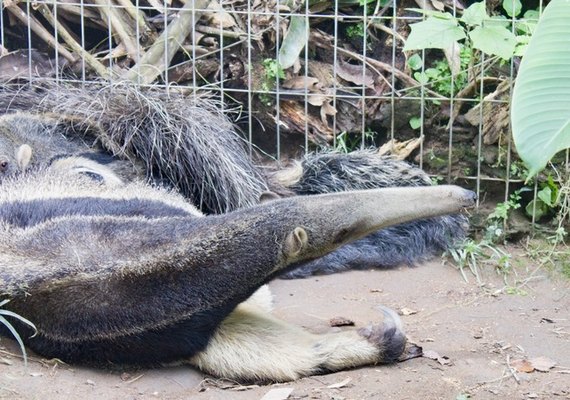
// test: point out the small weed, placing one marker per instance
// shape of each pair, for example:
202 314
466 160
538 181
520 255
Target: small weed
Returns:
10 327
436 180
546 202
497 220
346 142
438 77
273 72
355 31
471 254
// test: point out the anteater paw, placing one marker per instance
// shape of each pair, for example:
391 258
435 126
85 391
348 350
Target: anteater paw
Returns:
388 337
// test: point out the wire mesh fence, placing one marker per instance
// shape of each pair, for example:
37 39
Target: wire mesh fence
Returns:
304 75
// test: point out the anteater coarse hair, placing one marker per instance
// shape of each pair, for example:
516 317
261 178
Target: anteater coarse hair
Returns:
183 141
187 143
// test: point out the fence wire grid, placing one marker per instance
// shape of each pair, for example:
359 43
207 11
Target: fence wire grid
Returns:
350 84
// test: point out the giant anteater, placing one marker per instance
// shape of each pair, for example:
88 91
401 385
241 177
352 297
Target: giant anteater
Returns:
186 143
116 270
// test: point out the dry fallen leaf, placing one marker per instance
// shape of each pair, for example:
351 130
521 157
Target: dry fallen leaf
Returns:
302 82
438 5
278 394
400 150
355 74
407 311
340 384
219 18
542 364
433 355
522 366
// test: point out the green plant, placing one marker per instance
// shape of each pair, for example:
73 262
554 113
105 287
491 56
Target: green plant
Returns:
474 33
475 29
439 76
272 73
355 31
346 142
10 327
547 200
415 122
497 220
540 112
470 254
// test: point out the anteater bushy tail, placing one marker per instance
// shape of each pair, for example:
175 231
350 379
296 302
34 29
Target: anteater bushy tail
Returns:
407 243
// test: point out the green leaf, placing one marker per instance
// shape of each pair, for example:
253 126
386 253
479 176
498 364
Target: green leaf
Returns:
540 111
294 41
537 207
498 20
421 77
432 13
532 15
415 122
434 33
415 62
546 196
512 7
494 40
475 14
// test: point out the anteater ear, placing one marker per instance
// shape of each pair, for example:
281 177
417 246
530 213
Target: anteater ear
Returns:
295 242
23 156
268 196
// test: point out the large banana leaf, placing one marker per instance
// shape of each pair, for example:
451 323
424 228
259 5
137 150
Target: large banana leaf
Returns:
540 110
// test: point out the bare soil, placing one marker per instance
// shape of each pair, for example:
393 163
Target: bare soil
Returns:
479 331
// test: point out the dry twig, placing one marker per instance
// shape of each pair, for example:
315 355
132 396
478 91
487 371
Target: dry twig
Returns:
39 30
154 62
91 61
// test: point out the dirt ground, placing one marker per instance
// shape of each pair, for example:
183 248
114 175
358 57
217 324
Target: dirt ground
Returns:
477 332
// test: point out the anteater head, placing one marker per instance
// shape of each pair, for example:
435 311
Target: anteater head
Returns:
324 222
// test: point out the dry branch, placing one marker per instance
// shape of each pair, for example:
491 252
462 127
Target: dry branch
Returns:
91 61
145 31
39 30
119 26
154 62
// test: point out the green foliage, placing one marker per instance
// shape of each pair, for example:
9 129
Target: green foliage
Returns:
496 221
272 73
512 7
346 142
355 30
540 110
436 32
438 77
546 202
470 254
273 70
10 327
415 122
294 41
477 30
415 62
494 40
